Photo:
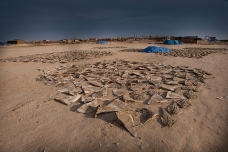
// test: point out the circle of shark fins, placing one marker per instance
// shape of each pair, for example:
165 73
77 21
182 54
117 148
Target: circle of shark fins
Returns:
126 88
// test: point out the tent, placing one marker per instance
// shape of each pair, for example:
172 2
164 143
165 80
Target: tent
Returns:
176 42
155 49
102 42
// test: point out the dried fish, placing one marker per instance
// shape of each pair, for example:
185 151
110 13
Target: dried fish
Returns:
155 80
119 92
105 109
101 93
167 119
60 57
88 107
70 91
187 83
128 99
168 87
87 89
142 116
157 99
88 99
171 82
118 104
126 119
190 94
69 100
95 83
129 84
137 95
171 95
184 103
113 85
174 109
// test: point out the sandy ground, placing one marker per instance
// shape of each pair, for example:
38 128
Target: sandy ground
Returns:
30 120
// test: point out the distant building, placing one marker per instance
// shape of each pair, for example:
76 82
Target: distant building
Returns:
16 41
224 40
186 39
210 38
46 41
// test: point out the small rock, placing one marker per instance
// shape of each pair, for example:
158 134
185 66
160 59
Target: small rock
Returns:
219 98
116 144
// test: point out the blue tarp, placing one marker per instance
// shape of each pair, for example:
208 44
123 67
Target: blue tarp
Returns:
1 43
155 49
175 42
102 42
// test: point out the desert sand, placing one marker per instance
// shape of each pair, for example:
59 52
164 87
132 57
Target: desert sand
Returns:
31 120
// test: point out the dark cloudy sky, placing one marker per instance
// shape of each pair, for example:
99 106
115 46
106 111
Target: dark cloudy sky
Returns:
59 19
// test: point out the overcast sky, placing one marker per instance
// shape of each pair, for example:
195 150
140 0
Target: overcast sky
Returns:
60 19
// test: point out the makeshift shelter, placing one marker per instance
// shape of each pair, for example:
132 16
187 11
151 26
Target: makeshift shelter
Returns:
171 42
155 49
16 41
102 42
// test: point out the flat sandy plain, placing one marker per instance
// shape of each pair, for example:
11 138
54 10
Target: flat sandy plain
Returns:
30 120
